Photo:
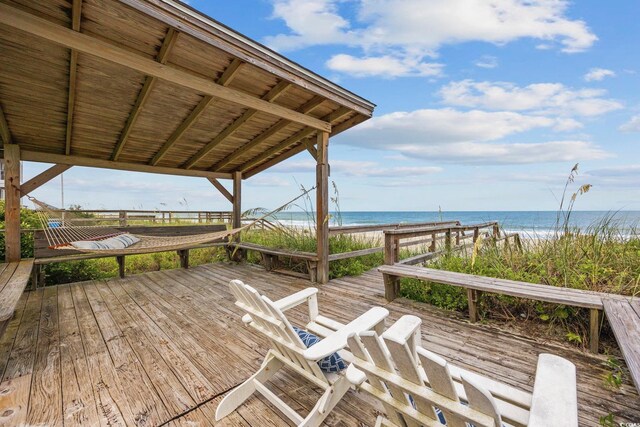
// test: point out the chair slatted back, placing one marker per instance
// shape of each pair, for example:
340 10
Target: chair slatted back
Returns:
411 389
273 324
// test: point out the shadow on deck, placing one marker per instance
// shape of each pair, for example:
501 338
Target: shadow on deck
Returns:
163 347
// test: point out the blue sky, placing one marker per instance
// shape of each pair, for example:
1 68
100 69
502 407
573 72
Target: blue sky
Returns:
481 105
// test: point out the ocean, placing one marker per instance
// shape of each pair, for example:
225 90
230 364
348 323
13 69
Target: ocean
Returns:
535 223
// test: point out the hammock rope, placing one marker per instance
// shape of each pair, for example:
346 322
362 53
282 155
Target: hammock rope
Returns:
60 232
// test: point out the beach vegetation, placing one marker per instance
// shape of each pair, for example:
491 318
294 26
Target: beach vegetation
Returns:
603 257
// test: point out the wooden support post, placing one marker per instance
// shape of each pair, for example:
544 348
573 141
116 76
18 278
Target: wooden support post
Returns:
184 258
432 248
12 202
476 234
473 297
120 259
458 238
391 283
594 330
496 231
322 206
447 240
517 241
237 202
122 217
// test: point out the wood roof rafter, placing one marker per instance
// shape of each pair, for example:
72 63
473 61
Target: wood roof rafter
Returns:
43 157
149 82
26 22
273 94
76 19
4 128
42 178
221 189
304 133
300 148
306 108
225 79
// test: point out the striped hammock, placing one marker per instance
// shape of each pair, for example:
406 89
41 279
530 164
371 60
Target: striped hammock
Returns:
67 230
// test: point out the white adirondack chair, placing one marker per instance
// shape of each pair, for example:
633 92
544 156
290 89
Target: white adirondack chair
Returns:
287 350
411 382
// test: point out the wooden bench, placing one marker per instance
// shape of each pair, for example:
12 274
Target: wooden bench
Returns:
624 317
45 255
14 277
271 257
475 285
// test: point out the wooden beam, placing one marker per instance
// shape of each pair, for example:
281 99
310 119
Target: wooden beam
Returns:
37 156
270 96
322 206
237 200
30 24
149 82
12 202
221 189
42 178
304 133
4 129
76 18
280 158
306 108
225 79
310 148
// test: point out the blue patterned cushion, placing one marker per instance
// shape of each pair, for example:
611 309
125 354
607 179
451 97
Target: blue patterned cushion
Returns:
333 363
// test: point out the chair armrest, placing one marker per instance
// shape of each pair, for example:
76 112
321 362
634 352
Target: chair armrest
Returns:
555 399
295 299
355 376
338 340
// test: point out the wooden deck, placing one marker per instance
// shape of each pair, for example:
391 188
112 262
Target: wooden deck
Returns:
163 347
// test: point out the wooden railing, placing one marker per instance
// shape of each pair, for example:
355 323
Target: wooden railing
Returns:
355 229
454 237
123 218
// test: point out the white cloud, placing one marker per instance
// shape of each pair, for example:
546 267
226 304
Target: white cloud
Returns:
445 125
597 74
467 137
487 61
541 98
633 125
267 180
354 168
312 22
384 66
617 171
417 29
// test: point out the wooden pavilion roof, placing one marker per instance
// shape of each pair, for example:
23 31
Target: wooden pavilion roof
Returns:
155 86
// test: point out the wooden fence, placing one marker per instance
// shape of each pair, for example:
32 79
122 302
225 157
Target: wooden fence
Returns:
355 229
123 218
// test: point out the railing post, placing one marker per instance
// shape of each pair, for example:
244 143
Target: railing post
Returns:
122 218
496 231
391 283
594 330
432 248
447 240
476 234
458 238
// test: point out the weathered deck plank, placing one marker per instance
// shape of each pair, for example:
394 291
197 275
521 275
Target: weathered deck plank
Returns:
166 346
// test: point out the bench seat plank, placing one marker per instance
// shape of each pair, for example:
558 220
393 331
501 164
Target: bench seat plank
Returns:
573 297
625 322
11 292
279 252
